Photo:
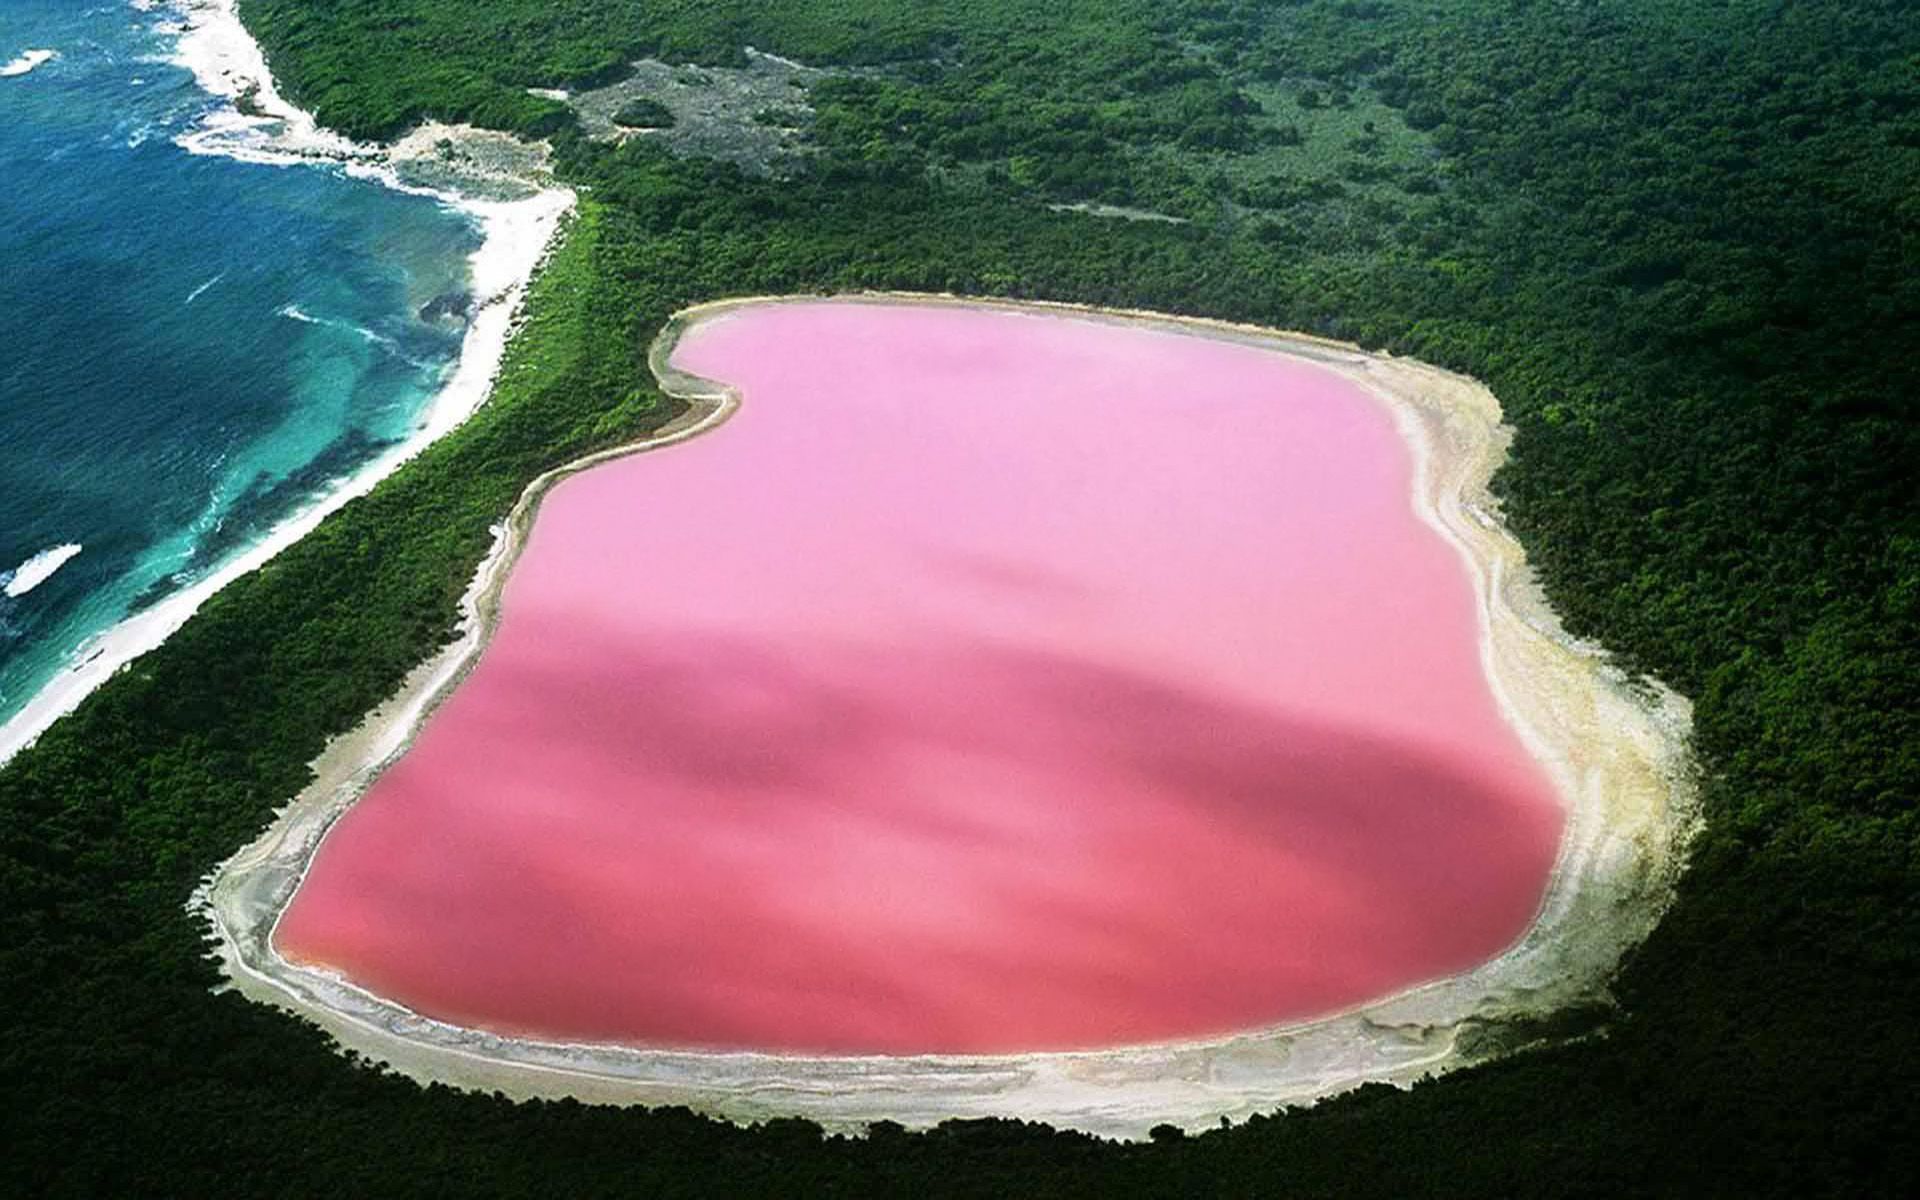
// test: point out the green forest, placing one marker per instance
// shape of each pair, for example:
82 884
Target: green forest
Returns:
1679 239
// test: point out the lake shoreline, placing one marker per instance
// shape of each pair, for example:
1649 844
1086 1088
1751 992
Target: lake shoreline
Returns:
1617 754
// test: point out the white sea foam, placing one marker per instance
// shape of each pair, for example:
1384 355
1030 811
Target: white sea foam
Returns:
27 62
226 61
200 291
38 569
373 337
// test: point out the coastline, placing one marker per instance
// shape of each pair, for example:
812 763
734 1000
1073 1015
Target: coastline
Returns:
226 62
1617 754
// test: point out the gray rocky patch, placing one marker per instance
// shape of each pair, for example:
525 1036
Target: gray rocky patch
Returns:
480 163
755 117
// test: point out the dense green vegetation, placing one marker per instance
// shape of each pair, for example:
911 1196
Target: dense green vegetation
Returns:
1678 239
643 113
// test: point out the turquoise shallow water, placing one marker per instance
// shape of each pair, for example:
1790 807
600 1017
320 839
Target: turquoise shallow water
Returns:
191 347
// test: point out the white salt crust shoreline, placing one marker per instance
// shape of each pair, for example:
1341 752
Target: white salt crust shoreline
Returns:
226 62
1617 754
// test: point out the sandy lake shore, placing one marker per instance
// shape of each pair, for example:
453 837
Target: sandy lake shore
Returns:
1616 750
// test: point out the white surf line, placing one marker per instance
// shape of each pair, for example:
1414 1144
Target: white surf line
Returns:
38 569
226 62
1618 757
515 236
27 62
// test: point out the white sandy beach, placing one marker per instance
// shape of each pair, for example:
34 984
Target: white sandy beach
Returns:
225 61
1616 752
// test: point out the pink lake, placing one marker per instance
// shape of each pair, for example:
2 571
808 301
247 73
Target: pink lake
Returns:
990 681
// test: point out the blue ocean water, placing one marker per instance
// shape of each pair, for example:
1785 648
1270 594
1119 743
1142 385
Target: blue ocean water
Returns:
191 347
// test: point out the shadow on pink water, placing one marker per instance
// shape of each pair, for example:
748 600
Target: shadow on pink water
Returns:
987 683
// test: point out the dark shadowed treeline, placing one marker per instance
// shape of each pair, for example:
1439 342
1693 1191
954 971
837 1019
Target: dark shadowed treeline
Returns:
1678 239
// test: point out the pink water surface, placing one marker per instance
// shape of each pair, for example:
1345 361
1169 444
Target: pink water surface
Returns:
989 682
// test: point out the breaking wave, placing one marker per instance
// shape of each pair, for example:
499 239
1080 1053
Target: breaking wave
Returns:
38 569
27 62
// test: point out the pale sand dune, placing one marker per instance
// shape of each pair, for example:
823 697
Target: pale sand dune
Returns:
1617 753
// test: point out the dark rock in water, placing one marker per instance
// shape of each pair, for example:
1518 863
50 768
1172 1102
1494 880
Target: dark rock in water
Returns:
247 103
449 306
